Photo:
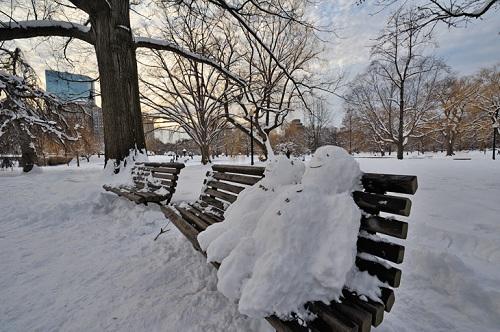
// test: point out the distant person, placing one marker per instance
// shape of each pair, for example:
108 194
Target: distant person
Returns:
184 152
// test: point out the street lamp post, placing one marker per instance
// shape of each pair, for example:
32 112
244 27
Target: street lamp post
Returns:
496 126
251 137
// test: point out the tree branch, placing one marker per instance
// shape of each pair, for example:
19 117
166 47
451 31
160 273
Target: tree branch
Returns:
157 44
91 6
38 28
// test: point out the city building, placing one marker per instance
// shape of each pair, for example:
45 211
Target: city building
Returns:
297 126
78 89
68 86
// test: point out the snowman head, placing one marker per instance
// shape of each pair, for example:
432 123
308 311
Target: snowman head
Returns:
332 170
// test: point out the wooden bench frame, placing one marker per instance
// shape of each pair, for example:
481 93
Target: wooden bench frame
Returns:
225 182
148 178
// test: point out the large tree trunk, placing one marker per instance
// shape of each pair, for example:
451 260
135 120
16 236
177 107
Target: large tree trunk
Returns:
205 153
400 150
449 146
28 155
115 52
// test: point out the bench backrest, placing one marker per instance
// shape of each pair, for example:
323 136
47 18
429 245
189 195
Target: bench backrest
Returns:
153 176
225 182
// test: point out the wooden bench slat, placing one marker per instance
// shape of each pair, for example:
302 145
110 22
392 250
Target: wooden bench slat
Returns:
169 185
225 186
185 228
385 250
133 197
381 183
374 308
222 195
215 213
172 177
140 185
392 227
203 215
373 203
285 326
334 319
242 179
159 164
142 171
193 219
152 197
392 276
213 202
387 297
165 170
121 191
355 314
319 325
250 170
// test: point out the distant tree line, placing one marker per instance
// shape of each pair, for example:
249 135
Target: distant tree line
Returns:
407 99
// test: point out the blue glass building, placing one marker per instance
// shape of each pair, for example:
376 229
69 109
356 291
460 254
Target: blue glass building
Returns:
69 87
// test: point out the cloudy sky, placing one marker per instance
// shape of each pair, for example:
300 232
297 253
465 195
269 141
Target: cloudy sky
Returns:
464 49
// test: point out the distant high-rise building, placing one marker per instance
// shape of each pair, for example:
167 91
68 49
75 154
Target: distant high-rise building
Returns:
78 89
98 125
68 86
297 126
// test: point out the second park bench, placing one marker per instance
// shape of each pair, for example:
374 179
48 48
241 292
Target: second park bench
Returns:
153 183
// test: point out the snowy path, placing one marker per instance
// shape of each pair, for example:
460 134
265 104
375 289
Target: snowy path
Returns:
75 259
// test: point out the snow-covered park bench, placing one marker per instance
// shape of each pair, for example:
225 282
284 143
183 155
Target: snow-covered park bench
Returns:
153 183
355 312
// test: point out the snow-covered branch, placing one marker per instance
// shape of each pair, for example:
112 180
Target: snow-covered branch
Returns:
43 28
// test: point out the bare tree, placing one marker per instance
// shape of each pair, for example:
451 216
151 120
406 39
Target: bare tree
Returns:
455 119
488 98
395 95
26 110
271 94
317 120
190 94
450 12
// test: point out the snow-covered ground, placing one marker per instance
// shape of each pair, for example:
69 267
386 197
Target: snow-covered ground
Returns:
75 258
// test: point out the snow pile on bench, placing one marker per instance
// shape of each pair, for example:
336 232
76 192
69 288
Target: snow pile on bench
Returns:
291 238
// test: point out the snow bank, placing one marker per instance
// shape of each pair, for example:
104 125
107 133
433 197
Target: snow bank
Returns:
124 177
76 259
284 243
